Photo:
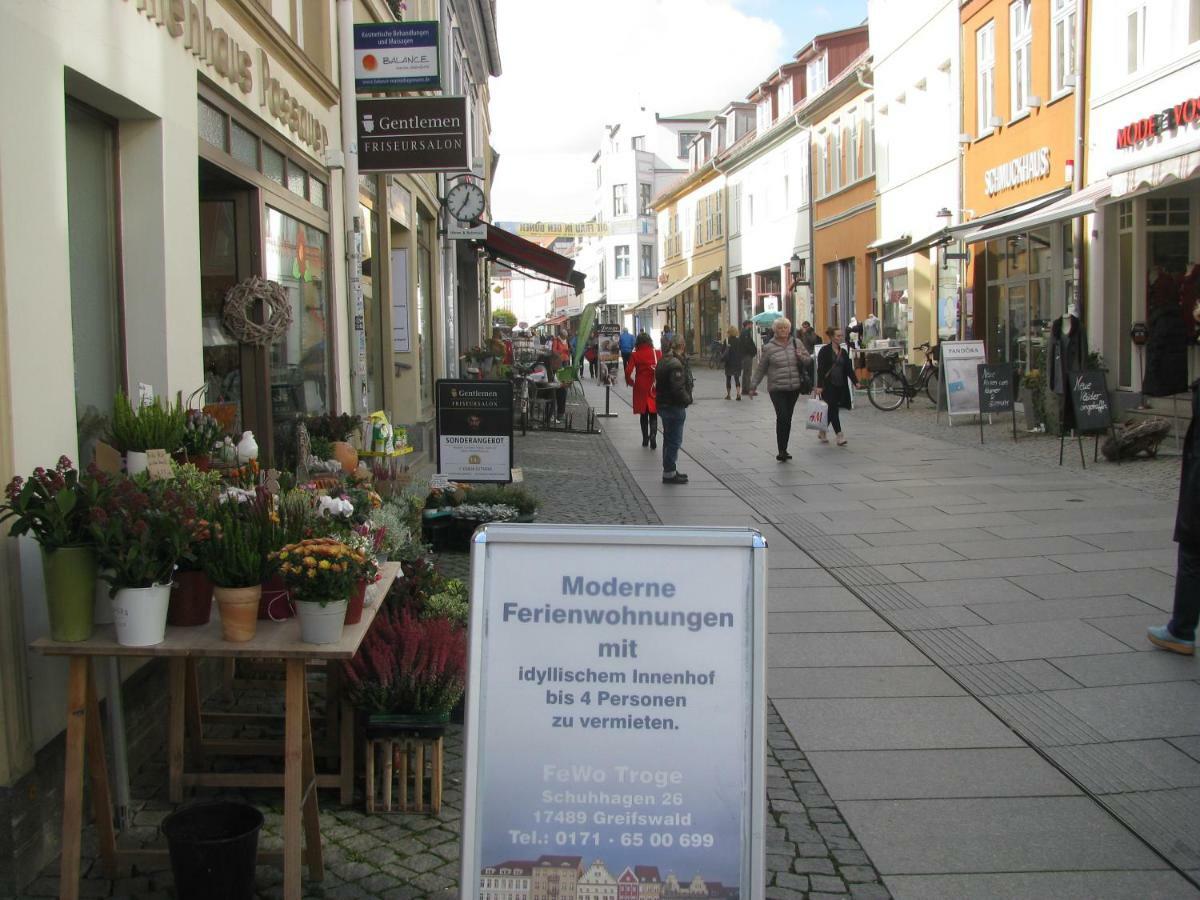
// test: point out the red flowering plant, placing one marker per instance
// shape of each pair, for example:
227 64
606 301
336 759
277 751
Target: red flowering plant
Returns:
141 531
53 506
407 665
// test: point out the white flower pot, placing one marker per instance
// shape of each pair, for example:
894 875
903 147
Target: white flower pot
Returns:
321 624
140 615
136 461
103 612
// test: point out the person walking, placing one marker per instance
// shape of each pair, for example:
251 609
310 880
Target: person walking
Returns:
748 352
808 336
835 382
639 374
626 342
786 365
673 395
733 362
1179 635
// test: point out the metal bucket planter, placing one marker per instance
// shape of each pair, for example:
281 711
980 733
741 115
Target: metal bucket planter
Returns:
140 615
321 624
70 574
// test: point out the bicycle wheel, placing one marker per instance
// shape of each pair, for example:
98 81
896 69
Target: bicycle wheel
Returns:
885 391
932 386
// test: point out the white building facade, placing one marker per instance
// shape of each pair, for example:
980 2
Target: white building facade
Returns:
915 46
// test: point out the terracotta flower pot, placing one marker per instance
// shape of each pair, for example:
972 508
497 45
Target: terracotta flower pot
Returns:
239 612
346 455
354 609
191 599
275 605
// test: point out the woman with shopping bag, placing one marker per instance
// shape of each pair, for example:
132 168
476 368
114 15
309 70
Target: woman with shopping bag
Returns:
787 366
836 382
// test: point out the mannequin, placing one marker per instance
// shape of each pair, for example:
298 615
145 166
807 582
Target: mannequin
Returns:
1064 356
872 328
1166 348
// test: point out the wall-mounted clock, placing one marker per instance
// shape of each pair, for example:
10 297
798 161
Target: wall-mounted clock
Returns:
465 202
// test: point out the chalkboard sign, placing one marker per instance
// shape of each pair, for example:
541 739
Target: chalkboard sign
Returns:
1089 397
997 386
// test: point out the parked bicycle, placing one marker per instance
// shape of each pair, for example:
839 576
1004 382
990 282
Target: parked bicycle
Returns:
889 388
716 355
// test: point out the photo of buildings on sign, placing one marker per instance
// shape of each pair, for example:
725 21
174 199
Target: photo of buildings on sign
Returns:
570 878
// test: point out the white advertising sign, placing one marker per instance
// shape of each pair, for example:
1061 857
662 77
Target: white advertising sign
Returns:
960 374
401 342
616 708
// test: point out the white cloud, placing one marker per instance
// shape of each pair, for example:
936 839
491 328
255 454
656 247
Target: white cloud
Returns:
570 67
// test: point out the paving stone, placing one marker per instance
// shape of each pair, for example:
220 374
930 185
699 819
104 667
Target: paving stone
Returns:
851 858
782 893
869 892
1139 711
1059 885
1041 640
795 882
810 865
829 884
902 723
860 681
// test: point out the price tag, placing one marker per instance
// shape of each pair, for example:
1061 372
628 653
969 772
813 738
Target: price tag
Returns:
439 482
159 465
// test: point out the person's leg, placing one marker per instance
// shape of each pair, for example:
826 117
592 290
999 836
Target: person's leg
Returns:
672 418
560 401
653 431
747 374
1179 635
777 401
790 408
644 421
835 417
728 384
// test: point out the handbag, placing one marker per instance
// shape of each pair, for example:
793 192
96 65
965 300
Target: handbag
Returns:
818 415
804 369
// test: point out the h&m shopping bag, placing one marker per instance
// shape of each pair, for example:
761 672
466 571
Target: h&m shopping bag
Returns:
818 415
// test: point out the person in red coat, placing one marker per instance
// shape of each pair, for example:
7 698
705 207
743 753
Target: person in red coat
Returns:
639 373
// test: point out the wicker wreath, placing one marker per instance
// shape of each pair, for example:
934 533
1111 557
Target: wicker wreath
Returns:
240 303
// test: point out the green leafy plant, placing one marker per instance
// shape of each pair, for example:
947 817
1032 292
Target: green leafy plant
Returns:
237 549
451 602
321 448
507 495
333 427
141 530
53 506
201 431
505 318
157 426
399 539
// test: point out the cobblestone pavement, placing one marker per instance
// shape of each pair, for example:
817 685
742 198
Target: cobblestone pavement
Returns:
581 479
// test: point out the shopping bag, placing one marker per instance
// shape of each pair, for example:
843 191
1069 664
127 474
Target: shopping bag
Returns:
818 415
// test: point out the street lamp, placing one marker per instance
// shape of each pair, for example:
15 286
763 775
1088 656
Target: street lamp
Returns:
797 267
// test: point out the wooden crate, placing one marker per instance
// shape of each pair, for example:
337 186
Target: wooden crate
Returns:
404 774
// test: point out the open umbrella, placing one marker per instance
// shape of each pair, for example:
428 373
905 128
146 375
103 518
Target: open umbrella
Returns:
766 318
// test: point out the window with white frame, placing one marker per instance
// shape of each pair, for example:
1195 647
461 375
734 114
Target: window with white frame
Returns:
750 210
718 216
698 236
835 159
638 142
735 214
985 65
1020 41
620 199
850 139
644 198
621 262
819 164
685 139
646 261
1135 39
1193 21
763 114
816 75
1063 18
868 140
785 96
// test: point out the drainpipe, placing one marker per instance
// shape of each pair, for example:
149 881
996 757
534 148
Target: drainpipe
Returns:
1077 175
353 222
812 215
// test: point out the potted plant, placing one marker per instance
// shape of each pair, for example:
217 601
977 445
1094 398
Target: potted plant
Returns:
363 540
54 507
320 574
410 671
525 503
155 426
201 434
192 590
338 429
237 558
140 533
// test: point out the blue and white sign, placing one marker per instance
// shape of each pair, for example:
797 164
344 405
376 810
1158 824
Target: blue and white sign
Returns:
616 711
396 56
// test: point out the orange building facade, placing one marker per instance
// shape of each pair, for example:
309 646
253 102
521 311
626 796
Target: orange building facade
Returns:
1019 147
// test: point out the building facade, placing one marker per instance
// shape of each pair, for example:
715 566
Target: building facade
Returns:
597 883
1144 144
511 880
916 73
555 878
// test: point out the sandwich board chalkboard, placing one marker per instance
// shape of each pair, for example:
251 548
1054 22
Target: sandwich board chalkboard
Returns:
997 393
1093 414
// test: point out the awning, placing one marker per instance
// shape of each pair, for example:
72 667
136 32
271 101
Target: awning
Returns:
1154 171
555 321
887 245
515 251
668 293
942 234
967 230
647 301
1078 204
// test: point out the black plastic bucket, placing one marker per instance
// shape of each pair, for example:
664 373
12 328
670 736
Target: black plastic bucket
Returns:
214 848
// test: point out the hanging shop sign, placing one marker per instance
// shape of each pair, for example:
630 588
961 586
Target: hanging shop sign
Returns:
1171 119
396 56
413 134
1016 172
475 430
616 708
960 375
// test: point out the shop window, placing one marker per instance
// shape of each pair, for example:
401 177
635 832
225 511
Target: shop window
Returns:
1125 215
272 161
1040 259
895 305
94 268
1163 212
1020 34
985 64
316 192
297 180
212 125
1063 17
243 146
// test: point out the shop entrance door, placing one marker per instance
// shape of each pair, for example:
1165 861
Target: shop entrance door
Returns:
233 372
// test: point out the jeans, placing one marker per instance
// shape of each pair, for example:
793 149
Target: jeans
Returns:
784 403
673 418
1187 594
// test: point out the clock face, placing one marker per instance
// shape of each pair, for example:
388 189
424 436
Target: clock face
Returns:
465 201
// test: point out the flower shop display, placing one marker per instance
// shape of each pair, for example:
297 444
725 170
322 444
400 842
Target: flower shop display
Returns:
201 435
54 508
140 533
338 429
192 590
526 503
154 426
321 573
361 540
237 559
481 513
399 539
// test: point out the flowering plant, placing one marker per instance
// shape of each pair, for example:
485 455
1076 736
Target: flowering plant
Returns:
335 507
237 550
52 506
142 530
485 512
200 433
408 665
322 570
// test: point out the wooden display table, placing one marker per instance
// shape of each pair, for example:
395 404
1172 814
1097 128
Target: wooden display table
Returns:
183 646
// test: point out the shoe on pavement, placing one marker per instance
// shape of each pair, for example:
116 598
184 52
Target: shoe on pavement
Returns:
841 441
782 457
822 437
675 478
1160 636
654 442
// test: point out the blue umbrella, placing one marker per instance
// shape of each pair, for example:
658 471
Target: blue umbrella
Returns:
766 318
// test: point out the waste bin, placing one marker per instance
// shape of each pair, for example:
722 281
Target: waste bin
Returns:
213 847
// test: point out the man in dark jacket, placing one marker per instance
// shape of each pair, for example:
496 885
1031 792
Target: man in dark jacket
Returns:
748 350
673 387
808 336
1179 635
